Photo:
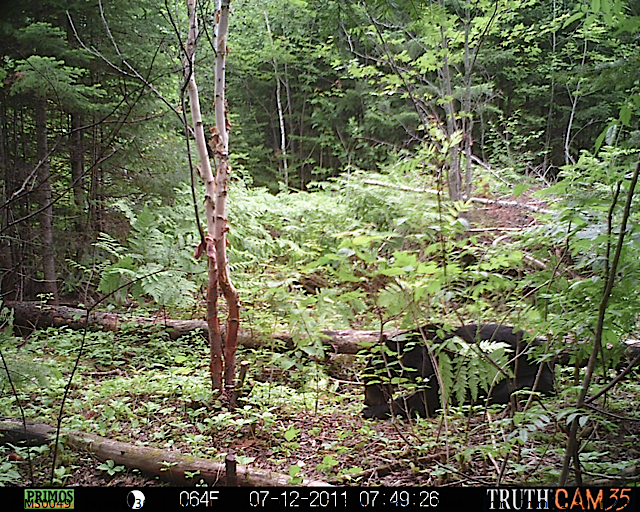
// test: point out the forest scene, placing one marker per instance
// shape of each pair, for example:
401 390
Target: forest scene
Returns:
320 242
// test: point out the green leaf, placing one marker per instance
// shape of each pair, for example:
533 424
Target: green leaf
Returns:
392 271
328 460
572 18
362 240
294 470
519 189
291 434
625 114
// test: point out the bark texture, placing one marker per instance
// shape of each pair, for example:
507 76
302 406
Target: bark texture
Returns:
216 189
220 146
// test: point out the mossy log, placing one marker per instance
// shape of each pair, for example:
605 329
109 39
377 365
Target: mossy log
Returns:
34 315
169 466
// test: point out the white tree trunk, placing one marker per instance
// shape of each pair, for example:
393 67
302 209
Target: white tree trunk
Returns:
220 146
215 198
283 136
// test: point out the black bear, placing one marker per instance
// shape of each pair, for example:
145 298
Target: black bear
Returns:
411 359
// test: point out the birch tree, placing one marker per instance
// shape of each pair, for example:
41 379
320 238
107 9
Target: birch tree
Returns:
216 187
283 137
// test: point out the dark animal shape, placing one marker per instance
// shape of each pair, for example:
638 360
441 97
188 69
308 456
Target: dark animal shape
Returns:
413 361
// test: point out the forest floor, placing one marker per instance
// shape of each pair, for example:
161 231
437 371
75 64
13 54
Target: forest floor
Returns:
307 422
336 445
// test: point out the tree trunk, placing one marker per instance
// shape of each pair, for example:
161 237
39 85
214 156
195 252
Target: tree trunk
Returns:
7 272
96 213
213 324
574 98
170 466
283 136
547 160
46 216
76 160
216 190
467 120
15 205
221 152
453 176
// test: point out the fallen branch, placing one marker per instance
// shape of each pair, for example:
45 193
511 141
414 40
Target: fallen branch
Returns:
534 261
497 228
170 466
480 200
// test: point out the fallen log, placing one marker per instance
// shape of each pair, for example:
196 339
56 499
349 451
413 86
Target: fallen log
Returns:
170 466
35 315
480 200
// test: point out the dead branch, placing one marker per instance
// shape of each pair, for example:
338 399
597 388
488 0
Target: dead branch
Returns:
480 200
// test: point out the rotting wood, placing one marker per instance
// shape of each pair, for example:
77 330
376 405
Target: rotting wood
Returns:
14 432
35 315
170 466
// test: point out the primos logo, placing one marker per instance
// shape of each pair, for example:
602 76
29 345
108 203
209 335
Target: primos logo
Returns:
48 498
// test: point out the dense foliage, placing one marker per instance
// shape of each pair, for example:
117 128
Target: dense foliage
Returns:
316 89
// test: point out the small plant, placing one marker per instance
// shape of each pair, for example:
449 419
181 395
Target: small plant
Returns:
291 434
8 473
62 474
110 467
295 472
327 464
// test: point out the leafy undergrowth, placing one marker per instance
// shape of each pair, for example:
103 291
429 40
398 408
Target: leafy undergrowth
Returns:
143 388
386 257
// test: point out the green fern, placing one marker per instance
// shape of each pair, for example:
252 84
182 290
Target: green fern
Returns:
447 374
465 372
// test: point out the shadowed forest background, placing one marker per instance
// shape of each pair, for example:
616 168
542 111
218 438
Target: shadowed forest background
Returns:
392 164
